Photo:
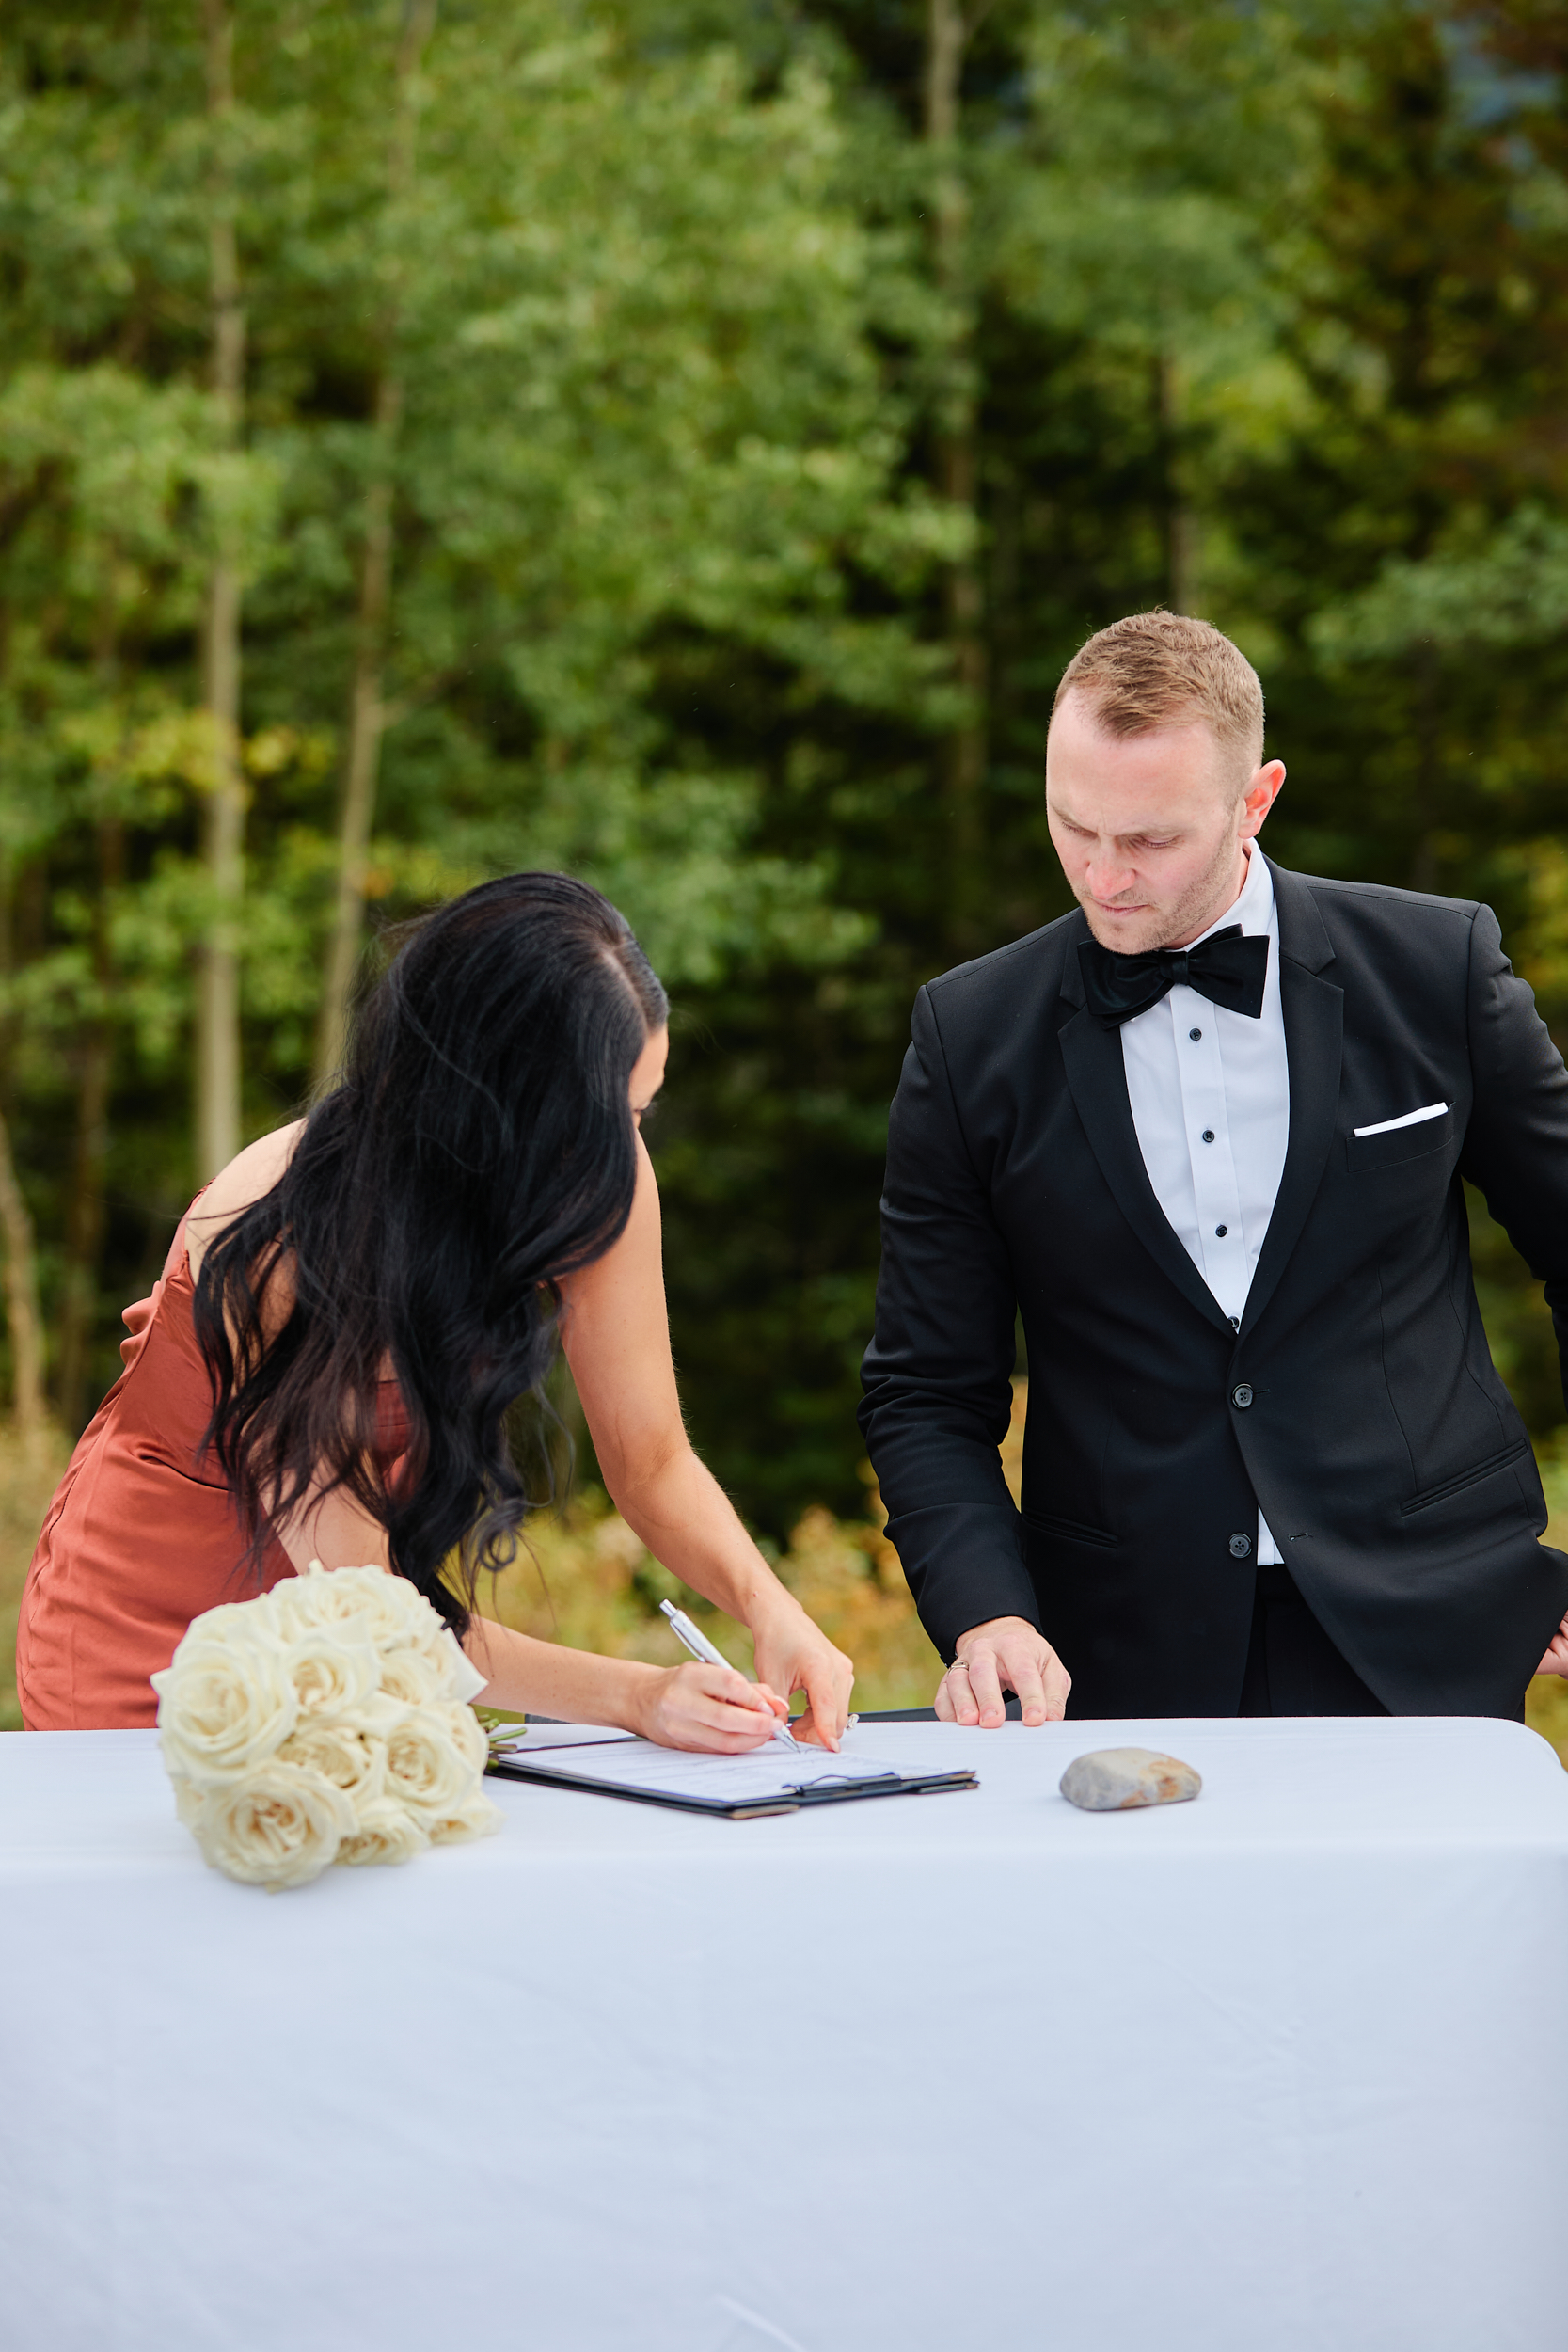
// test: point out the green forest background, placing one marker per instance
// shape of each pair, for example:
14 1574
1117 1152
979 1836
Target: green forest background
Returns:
683 440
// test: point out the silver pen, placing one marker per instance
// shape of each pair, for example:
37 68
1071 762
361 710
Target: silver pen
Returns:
700 1646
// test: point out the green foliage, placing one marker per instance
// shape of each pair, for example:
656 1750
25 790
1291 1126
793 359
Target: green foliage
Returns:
698 436
648 433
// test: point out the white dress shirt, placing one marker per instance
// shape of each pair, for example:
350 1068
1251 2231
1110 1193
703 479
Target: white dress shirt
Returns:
1211 1097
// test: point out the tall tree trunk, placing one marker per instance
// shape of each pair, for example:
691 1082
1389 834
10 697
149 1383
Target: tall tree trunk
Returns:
956 466
362 765
367 708
1182 586
83 1231
21 1299
218 1080
1427 714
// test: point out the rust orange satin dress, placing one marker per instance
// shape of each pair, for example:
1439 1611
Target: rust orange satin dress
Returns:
142 1534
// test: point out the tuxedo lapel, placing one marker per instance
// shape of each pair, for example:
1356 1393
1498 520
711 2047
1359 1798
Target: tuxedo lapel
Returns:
1314 1013
1098 1079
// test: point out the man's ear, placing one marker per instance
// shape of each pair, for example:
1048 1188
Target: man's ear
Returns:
1260 797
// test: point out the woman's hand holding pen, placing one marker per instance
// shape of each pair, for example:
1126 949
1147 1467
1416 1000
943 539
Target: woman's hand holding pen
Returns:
711 1709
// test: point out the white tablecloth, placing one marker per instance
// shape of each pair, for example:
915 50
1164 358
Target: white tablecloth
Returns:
1284 2068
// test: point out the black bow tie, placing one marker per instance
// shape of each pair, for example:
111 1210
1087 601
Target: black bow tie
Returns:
1226 968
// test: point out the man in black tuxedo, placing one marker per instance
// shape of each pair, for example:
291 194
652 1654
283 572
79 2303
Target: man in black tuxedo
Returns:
1207 1134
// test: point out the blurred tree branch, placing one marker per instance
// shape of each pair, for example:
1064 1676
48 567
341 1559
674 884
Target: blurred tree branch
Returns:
217 1071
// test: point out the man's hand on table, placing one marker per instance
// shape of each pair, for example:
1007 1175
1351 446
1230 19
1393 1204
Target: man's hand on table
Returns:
1008 1654
1555 1660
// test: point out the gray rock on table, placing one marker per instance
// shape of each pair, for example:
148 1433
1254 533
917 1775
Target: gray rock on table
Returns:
1114 1780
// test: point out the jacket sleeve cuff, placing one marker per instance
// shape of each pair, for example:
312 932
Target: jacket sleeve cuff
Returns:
964 1562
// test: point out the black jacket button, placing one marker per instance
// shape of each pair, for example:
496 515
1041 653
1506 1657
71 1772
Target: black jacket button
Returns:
1241 1394
1240 1546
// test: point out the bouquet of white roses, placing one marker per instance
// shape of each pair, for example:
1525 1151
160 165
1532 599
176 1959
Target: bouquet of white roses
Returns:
327 1721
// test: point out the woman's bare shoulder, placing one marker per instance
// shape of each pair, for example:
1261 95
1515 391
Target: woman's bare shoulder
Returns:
252 1172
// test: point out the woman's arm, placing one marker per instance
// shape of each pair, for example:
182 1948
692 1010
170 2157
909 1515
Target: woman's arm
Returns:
694 1705
616 1335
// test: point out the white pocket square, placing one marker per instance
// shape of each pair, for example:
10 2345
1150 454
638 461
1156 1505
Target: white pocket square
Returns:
1411 1119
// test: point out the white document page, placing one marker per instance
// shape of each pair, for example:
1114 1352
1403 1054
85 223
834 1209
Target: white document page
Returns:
652 1770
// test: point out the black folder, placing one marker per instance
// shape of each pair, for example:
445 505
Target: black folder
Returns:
731 1788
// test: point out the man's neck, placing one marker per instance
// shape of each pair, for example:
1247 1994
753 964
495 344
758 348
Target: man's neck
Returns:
1224 906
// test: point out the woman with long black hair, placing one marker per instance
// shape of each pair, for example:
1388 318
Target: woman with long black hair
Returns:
350 1311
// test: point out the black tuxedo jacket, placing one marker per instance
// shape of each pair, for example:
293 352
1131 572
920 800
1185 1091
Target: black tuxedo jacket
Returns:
1358 1402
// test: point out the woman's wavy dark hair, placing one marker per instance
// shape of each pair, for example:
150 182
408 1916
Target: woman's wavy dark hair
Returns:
479 1147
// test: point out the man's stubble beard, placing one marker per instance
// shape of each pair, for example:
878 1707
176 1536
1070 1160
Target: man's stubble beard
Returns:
1216 890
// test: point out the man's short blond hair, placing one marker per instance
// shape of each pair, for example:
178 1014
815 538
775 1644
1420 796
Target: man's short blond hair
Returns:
1159 669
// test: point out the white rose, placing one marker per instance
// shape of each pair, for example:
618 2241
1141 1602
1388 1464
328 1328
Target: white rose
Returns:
188 1800
384 1831
395 1615
380 1715
412 1679
462 1679
429 1636
470 1735
329 1596
224 1705
245 1626
434 1671
280 1827
334 1669
292 1606
351 1758
479 1818
246 1621
430 1762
